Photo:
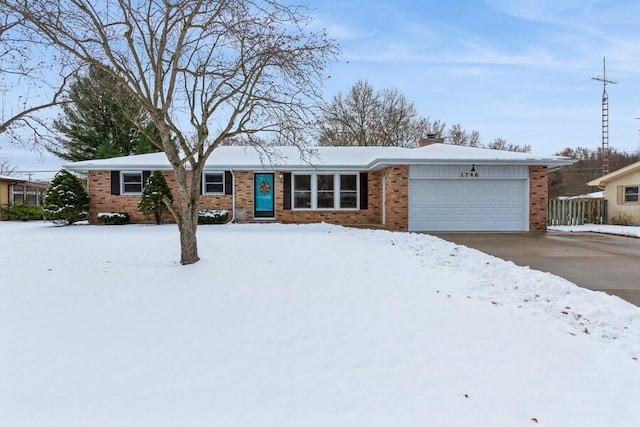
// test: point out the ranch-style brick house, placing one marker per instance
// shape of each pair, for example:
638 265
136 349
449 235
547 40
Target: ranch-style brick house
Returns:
436 187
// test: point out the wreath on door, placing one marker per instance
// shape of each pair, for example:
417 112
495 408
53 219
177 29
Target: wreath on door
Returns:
264 187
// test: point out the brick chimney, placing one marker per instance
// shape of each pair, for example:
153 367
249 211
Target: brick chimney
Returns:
432 138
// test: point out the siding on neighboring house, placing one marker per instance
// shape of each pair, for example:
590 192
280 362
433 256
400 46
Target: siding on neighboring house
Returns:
5 195
614 194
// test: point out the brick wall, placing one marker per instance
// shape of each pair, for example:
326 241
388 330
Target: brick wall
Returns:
397 197
101 199
370 216
538 194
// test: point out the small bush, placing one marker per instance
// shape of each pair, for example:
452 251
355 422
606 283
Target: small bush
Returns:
113 218
212 216
22 213
620 219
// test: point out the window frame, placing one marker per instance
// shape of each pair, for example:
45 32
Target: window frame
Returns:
636 194
123 183
294 191
336 190
204 183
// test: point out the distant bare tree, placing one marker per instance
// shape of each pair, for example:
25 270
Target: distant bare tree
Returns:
365 117
572 180
456 135
205 71
6 168
502 144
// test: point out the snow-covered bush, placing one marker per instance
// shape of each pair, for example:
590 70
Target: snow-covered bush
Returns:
212 216
66 199
155 190
113 218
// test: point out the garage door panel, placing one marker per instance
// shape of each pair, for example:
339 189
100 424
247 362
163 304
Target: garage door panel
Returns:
468 205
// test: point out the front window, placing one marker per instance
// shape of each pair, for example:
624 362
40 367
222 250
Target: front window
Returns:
302 191
348 191
132 182
213 183
325 191
631 194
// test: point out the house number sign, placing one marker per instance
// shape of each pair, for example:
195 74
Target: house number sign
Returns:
471 174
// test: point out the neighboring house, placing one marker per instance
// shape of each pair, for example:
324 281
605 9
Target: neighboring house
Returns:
20 191
621 192
436 187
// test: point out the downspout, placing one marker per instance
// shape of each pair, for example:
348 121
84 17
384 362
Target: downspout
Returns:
233 197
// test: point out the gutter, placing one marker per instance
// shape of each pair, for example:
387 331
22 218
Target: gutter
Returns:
233 196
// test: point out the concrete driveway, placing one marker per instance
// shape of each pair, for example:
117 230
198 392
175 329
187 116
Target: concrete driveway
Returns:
594 261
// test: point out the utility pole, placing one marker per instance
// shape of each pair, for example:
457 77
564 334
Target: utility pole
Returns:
605 116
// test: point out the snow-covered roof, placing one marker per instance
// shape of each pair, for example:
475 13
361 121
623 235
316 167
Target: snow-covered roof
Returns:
11 178
335 158
594 195
599 182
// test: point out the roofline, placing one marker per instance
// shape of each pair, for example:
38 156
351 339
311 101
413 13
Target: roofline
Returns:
373 165
599 182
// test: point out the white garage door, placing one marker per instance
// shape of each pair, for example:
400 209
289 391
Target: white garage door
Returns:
469 204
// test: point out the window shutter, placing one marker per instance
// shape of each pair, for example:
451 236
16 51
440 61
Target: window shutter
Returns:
145 178
115 183
228 182
364 190
286 191
619 194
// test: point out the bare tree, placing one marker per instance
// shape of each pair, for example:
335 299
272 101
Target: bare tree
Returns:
27 85
366 117
456 135
204 70
502 144
6 168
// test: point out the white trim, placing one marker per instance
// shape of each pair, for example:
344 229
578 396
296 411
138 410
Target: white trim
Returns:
122 183
314 190
204 183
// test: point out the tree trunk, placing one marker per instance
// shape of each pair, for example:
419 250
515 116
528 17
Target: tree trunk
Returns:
188 239
186 215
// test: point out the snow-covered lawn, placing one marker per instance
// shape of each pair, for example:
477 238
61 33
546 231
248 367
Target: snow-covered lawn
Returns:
599 228
317 325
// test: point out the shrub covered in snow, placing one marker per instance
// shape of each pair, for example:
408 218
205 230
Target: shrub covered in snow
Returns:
155 190
113 218
66 199
212 216
21 212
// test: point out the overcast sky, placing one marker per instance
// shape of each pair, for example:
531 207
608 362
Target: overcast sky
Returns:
516 69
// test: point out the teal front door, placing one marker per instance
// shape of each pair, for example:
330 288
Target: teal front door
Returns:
263 195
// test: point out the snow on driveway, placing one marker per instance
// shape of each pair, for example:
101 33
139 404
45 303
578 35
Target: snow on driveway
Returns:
314 325
619 230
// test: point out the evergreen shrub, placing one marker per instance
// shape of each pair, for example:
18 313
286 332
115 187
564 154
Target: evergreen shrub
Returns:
155 190
113 218
66 200
213 216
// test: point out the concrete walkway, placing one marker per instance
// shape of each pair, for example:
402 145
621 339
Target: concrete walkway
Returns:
594 261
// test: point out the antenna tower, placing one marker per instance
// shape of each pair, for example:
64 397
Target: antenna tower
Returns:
605 116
